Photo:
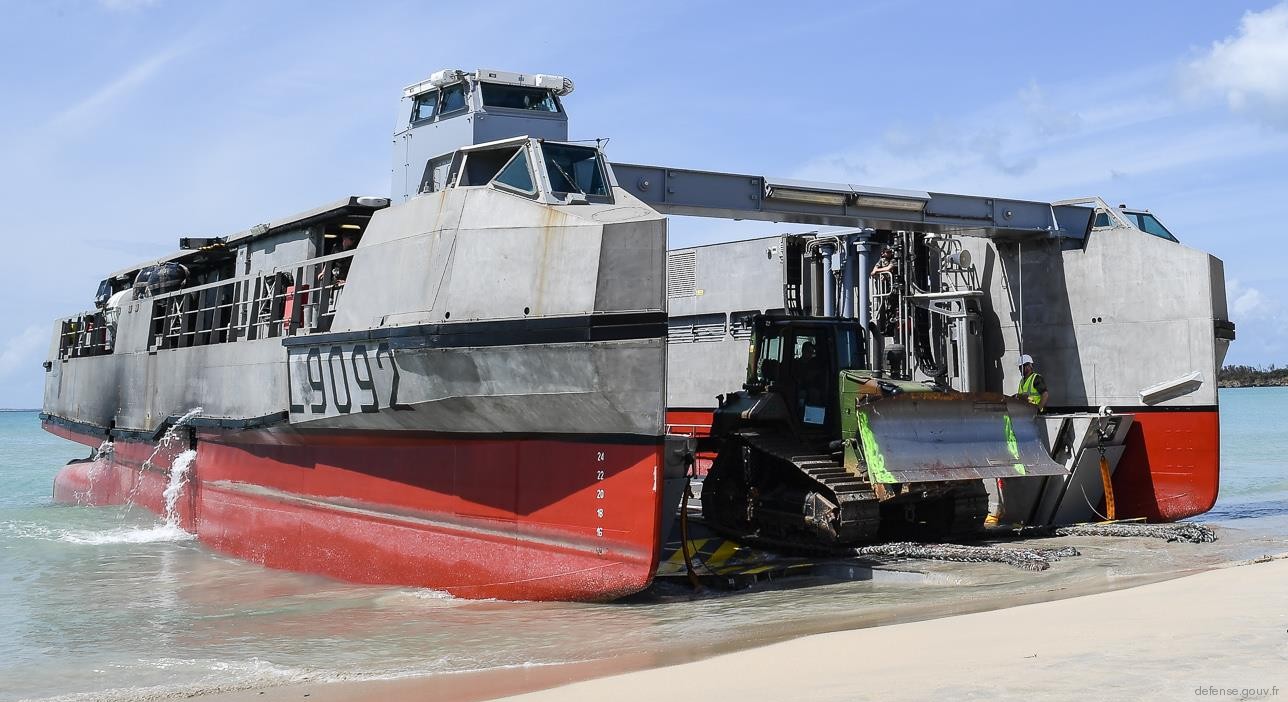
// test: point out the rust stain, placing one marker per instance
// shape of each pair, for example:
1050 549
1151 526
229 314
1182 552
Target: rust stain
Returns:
438 212
552 221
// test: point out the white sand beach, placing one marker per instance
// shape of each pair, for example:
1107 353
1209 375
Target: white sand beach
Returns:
1219 634
1199 637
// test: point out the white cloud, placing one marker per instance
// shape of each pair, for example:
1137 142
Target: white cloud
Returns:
1051 141
86 111
1047 119
1042 132
1262 324
1246 302
24 350
1250 69
127 5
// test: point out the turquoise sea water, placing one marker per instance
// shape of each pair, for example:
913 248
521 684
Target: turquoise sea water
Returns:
107 603
1254 459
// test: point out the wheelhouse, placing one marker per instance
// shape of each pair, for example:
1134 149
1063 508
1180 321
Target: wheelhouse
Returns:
546 171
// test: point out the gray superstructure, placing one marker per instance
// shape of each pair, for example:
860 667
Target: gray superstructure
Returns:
489 300
518 283
1128 325
1116 315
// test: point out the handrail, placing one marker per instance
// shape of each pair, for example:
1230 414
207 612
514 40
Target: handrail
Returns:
299 298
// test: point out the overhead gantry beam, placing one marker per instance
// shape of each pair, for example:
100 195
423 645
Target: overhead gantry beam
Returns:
738 196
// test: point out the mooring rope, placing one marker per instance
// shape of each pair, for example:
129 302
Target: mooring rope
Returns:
1182 532
1026 558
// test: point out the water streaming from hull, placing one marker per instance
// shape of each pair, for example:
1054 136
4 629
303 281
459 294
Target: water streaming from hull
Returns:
179 468
169 441
172 436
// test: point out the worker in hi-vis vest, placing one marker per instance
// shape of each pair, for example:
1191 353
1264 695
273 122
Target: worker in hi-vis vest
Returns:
1032 387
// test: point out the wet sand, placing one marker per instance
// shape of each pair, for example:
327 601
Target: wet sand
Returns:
1163 637
1218 634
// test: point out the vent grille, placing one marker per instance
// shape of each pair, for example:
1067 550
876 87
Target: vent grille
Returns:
682 274
740 323
696 328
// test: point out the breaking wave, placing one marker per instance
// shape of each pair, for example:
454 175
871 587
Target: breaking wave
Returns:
157 533
240 676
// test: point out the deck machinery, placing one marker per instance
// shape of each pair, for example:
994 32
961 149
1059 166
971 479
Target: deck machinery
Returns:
1128 326
488 381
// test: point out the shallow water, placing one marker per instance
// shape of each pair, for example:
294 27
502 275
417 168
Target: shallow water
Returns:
114 603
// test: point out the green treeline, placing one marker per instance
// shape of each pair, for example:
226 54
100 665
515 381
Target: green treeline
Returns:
1251 376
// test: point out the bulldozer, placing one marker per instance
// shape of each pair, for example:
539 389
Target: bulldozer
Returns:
817 453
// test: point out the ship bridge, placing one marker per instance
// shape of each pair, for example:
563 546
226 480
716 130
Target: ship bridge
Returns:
453 109
550 172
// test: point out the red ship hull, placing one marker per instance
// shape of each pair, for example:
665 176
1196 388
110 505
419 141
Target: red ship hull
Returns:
1171 467
518 519
1169 470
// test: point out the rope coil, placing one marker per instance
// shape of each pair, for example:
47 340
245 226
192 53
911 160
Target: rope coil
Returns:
1025 558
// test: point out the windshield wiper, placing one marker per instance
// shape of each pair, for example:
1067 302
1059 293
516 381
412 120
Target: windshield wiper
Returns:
567 177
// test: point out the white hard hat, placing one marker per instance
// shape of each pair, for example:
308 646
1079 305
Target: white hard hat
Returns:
1025 358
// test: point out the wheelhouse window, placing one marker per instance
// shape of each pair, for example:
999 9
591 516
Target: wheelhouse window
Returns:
1143 221
482 166
518 97
574 169
1149 224
426 106
517 174
453 99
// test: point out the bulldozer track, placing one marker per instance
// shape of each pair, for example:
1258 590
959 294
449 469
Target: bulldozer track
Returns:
969 511
860 513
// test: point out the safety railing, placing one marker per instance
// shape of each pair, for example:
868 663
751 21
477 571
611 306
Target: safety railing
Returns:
880 289
84 335
299 299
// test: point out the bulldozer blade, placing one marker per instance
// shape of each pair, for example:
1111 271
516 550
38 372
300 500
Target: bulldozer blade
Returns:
924 437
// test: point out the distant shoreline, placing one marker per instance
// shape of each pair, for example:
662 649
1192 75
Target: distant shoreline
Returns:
1275 383
1252 377
6 409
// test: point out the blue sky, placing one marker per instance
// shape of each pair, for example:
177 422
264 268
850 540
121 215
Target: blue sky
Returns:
129 123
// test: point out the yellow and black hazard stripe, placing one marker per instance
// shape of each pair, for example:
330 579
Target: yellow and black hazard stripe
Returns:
723 557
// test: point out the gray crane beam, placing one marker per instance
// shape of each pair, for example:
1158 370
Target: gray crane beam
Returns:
739 196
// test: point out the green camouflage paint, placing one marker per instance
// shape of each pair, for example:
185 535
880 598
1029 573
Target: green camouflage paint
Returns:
1013 446
872 453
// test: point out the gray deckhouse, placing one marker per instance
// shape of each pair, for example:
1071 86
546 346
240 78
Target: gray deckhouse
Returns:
458 128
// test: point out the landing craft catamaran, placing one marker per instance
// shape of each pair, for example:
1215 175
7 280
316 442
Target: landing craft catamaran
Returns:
491 383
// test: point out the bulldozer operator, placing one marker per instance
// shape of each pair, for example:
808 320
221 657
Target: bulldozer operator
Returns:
1033 387
811 375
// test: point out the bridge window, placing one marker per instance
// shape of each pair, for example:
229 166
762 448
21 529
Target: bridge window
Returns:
518 97
482 166
517 174
426 106
1149 224
453 99
574 169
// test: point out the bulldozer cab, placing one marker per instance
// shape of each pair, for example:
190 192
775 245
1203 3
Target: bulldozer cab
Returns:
800 359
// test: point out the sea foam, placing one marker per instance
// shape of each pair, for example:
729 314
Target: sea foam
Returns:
94 537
